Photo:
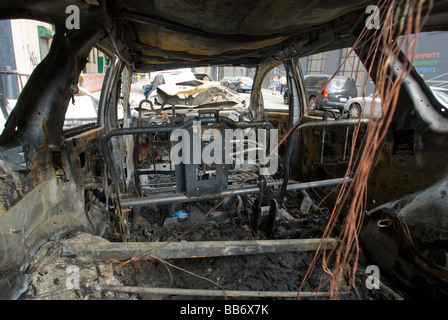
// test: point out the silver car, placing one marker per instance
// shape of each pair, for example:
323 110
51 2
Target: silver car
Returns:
369 106
241 84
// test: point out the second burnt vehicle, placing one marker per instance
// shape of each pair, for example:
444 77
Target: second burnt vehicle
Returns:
108 176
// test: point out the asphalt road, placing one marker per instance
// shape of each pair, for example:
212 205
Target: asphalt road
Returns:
273 101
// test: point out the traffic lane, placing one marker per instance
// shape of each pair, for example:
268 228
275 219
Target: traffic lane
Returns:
271 100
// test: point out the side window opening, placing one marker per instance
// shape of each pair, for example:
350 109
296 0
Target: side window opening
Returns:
24 44
338 85
430 63
274 89
83 107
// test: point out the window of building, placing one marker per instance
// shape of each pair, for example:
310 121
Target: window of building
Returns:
316 63
352 67
343 62
45 35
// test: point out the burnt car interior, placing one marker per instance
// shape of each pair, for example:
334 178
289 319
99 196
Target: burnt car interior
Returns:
381 183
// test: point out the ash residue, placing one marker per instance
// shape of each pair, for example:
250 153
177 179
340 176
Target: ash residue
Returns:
282 271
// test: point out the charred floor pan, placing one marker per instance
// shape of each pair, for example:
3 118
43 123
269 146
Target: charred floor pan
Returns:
52 275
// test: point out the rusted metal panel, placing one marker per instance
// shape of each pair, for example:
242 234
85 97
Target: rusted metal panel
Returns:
49 211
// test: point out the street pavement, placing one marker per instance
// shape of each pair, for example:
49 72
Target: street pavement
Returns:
273 101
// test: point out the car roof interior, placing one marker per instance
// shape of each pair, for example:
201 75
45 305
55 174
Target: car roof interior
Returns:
157 35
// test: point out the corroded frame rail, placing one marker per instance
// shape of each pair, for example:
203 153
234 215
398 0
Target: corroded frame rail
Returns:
189 249
214 293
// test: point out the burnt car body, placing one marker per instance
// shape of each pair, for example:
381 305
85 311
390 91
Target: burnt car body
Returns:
55 182
203 76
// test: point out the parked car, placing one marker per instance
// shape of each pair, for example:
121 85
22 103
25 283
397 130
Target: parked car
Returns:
369 106
226 81
332 94
241 84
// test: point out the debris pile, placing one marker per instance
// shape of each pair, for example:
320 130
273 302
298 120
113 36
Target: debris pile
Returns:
58 273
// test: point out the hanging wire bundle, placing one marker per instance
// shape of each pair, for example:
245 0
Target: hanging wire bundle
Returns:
401 22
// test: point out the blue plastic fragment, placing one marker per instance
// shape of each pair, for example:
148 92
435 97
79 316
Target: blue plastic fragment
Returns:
180 214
